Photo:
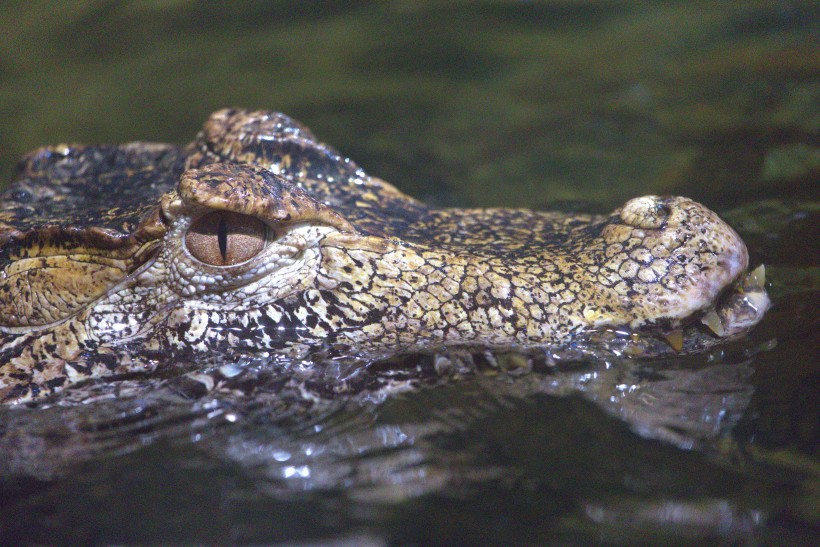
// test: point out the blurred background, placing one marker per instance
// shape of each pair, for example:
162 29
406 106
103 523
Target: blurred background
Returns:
477 103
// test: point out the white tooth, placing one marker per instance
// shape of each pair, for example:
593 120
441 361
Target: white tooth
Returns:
712 320
758 301
757 278
675 339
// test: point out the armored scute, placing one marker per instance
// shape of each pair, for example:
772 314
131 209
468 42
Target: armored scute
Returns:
258 242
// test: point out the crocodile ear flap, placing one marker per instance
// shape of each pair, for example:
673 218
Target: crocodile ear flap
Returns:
49 273
252 191
271 140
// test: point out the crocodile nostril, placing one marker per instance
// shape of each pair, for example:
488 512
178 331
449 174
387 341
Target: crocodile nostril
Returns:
645 212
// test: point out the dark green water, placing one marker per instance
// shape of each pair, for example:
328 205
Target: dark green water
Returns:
514 104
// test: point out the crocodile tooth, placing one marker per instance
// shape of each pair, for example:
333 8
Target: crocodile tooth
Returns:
675 339
756 278
712 320
759 302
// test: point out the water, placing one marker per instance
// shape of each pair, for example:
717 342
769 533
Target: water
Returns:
516 104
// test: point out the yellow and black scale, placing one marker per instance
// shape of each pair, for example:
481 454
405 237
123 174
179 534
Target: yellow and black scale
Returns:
256 240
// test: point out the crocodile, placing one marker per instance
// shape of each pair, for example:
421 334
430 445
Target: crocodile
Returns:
258 241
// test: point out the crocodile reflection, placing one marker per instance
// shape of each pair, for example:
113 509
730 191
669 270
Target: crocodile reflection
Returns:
685 404
386 449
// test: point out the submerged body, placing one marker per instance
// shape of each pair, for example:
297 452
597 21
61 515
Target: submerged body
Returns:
258 241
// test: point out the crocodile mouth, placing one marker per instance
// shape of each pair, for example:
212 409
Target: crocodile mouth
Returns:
739 307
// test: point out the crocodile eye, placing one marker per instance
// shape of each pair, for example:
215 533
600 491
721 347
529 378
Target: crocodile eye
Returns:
223 238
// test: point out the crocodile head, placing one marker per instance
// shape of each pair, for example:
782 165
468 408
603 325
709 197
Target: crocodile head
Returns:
256 241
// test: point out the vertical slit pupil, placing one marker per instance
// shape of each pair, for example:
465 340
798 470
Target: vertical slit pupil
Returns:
222 237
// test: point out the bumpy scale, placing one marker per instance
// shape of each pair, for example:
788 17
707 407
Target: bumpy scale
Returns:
258 241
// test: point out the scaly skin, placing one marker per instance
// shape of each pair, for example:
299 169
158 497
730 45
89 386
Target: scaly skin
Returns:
100 273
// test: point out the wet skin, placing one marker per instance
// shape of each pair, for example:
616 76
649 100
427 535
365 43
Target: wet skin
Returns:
257 241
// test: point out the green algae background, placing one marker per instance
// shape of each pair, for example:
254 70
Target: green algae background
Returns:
510 103
580 104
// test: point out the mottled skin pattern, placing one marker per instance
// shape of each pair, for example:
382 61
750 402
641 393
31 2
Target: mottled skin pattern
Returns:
98 276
